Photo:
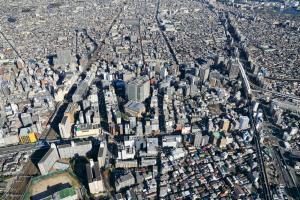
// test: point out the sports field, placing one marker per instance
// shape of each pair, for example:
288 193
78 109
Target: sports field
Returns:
42 184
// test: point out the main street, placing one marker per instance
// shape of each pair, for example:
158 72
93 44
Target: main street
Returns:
248 91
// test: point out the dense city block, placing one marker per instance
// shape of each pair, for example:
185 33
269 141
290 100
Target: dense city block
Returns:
149 99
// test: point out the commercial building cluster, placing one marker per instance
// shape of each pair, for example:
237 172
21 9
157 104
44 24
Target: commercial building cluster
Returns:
155 99
270 41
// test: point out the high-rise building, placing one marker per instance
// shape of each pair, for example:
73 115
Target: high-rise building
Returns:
203 73
83 87
198 140
70 111
26 119
244 122
225 125
294 131
48 160
88 116
81 117
138 89
223 142
210 125
65 127
95 180
132 122
234 69
102 154
205 140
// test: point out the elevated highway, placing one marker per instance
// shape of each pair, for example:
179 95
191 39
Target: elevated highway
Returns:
283 79
245 80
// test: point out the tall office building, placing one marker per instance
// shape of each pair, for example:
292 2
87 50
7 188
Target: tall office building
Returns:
102 152
203 73
26 119
138 89
65 127
95 180
210 125
198 140
225 125
294 131
88 116
81 117
205 140
234 69
70 111
48 160
244 122
80 91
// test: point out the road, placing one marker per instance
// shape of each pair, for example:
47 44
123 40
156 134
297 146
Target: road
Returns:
172 52
105 175
291 179
21 148
264 178
265 182
10 44
283 79
282 168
